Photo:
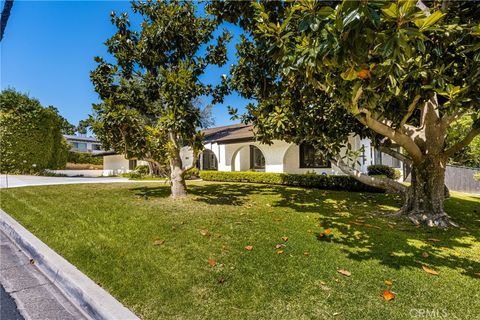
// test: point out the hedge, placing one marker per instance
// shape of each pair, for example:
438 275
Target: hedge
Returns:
327 182
383 170
83 157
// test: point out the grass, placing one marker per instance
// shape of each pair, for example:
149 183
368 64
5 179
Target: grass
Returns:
108 232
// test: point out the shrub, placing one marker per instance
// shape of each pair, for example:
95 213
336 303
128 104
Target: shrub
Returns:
193 173
382 170
30 134
327 182
83 157
142 169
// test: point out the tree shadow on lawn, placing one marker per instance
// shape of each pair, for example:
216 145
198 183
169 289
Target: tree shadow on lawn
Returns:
360 224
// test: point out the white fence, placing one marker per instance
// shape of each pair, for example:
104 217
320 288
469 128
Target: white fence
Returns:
461 179
79 173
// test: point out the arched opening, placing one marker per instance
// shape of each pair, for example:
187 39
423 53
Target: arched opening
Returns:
248 157
209 160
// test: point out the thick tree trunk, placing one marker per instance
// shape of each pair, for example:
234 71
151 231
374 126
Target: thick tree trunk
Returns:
177 182
425 196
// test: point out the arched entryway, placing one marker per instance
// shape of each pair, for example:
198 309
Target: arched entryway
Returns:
248 157
208 160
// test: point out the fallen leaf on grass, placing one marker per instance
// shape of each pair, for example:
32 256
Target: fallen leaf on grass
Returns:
344 272
221 280
424 255
285 239
306 253
328 231
336 313
388 282
279 251
280 245
371 226
433 240
249 248
431 271
388 295
477 274
205 233
212 263
158 242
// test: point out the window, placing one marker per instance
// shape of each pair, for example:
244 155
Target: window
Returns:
96 147
209 160
377 157
257 160
132 164
311 158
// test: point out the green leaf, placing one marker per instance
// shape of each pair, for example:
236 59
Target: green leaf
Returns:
391 11
349 75
349 18
427 22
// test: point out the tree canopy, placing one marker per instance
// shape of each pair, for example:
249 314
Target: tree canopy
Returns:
150 94
397 71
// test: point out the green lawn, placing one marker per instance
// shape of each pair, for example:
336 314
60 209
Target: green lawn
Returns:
108 232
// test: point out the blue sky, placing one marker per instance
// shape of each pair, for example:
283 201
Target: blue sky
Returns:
48 51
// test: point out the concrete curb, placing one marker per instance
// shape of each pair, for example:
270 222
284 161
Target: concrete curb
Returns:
78 288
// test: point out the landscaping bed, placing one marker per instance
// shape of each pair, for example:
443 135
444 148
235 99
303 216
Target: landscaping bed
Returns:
313 253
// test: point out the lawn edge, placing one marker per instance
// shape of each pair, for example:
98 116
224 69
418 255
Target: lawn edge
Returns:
82 291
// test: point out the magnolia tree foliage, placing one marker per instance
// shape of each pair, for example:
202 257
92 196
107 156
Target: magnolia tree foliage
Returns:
31 135
397 71
149 93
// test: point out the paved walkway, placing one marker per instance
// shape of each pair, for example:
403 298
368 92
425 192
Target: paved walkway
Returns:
24 180
34 295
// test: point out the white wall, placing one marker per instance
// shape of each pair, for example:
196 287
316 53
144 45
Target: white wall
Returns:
76 173
114 164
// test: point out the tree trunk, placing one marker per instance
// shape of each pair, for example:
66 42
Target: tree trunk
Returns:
177 182
425 196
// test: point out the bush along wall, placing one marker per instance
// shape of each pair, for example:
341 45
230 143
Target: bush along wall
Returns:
31 137
327 182
83 157
383 170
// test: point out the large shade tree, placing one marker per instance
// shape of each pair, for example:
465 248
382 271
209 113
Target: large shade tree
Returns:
397 71
150 93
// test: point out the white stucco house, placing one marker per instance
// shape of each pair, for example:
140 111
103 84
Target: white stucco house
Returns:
232 148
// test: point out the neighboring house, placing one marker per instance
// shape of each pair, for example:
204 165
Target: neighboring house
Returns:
114 163
83 144
232 148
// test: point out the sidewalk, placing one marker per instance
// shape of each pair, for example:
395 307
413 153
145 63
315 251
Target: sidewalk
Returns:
35 296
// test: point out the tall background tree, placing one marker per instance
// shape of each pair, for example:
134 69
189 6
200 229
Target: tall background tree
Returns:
31 137
7 8
149 95
397 71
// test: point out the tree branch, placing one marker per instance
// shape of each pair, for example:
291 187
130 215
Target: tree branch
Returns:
365 117
465 142
395 154
378 182
411 108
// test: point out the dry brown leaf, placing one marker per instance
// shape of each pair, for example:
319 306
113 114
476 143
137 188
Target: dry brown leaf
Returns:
388 282
431 271
477 274
205 233
388 295
285 238
249 248
212 263
424 255
328 231
158 242
306 253
32 261
433 240
344 272
280 245
279 251
221 280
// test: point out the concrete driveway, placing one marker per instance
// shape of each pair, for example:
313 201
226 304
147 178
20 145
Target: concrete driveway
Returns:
24 181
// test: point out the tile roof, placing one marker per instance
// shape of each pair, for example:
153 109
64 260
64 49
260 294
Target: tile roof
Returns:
231 133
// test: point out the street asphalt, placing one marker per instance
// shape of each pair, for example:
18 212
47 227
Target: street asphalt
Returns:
8 308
